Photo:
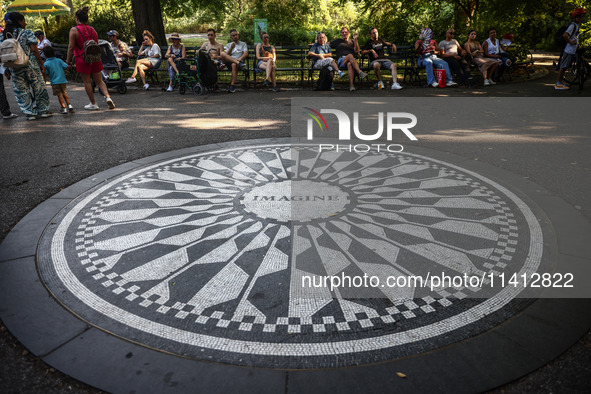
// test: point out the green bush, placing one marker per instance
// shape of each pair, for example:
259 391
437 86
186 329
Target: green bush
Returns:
107 20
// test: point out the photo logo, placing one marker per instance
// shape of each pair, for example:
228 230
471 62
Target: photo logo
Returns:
315 115
390 121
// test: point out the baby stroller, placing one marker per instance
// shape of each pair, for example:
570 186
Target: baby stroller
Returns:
208 72
111 71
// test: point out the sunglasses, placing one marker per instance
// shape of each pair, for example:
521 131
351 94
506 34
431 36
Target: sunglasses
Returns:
210 35
451 33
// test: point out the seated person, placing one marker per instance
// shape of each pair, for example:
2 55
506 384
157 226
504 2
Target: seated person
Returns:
152 59
346 50
506 41
426 47
374 49
120 49
214 49
174 54
486 65
266 57
492 49
233 57
452 52
321 55
43 42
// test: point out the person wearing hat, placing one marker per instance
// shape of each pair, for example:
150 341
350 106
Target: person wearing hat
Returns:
506 41
43 42
176 52
120 49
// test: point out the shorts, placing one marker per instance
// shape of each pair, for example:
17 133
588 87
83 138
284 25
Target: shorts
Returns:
87 68
385 64
321 63
229 65
566 60
341 63
60 88
155 61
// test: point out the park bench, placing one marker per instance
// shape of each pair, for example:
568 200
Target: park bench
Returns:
294 60
288 60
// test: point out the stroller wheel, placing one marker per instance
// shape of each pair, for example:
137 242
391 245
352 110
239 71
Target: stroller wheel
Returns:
122 88
182 89
197 89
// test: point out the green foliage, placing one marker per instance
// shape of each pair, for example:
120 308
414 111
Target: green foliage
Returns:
104 17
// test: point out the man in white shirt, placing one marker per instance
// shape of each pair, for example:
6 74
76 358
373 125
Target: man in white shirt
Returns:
235 53
452 52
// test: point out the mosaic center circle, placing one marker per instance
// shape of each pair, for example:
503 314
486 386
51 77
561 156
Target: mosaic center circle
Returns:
301 200
222 255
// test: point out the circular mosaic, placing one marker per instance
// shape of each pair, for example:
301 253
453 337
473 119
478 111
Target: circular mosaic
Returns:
233 255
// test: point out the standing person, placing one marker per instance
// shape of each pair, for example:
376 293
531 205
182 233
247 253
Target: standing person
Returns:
374 49
120 49
266 57
492 49
236 52
79 34
54 67
571 36
4 106
175 52
346 50
152 59
27 81
426 47
487 66
43 42
452 52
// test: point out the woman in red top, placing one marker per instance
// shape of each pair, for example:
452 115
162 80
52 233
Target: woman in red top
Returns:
79 34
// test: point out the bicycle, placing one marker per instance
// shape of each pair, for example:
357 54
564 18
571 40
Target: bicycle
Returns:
578 72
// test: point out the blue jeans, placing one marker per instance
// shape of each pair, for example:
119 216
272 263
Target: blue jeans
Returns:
428 61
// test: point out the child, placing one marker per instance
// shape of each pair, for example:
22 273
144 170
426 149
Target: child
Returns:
571 36
54 67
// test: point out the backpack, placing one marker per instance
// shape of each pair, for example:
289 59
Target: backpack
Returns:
12 53
91 52
559 36
324 79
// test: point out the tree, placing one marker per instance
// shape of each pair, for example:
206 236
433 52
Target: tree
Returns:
147 15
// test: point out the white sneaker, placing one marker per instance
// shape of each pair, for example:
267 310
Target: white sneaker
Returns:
486 82
492 82
362 75
380 85
169 88
91 107
450 83
351 88
110 103
10 116
147 86
341 74
434 85
131 80
396 86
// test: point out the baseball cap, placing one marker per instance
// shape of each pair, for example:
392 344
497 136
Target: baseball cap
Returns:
112 33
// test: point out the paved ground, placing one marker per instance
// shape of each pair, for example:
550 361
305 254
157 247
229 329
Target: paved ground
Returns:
40 158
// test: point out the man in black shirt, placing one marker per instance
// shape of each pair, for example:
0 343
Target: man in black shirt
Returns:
374 49
346 50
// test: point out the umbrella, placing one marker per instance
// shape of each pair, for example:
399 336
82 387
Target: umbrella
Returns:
39 7
42 8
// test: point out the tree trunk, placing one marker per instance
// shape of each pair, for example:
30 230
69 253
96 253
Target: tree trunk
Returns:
147 15
70 4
